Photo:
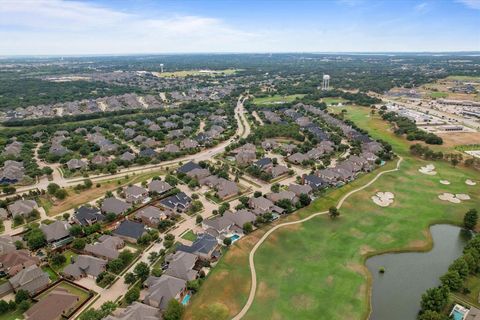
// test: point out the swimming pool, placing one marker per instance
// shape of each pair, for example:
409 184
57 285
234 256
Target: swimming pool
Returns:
186 299
235 237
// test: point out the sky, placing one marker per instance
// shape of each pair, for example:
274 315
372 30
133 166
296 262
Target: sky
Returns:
59 27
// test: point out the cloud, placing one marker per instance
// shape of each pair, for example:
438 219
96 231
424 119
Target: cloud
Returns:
422 7
472 4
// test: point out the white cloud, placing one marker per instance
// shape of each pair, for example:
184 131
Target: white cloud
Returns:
422 7
473 4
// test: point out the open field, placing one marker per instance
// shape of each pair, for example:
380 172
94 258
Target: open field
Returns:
276 99
329 101
317 268
464 78
186 73
189 235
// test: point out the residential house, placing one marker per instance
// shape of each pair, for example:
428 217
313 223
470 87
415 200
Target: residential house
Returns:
135 194
55 305
7 244
223 187
314 181
228 224
32 279
160 290
85 266
181 264
151 216
179 202
114 205
245 158
13 149
298 158
99 160
187 167
277 171
262 205
76 164
130 231
198 173
148 153
56 231
107 247
299 189
282 195
135 311
159 186
22 208
127 156
264 163
12 172
13 261
204 246
188 144
269 144
171 148
86 216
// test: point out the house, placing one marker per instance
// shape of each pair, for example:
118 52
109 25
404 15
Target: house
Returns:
159 186
114 205
148 153
223 187
107 247
12 172
13 261
314 182
181 264
262 205
298 158
189 166
150 215
160 290
85 266
135 194
264 163
55 231
135 311
288 148
13 149
171 148
277 171
130 231
55 305
282 195
99 160
3 214
188 144
269 144
179 202
31 279
198 173
299 189
244 158
7 244
22 208
127 156
246 148
204 246
228 224
86 216
76 164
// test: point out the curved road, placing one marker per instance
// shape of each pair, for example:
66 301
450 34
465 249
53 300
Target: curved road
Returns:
253 272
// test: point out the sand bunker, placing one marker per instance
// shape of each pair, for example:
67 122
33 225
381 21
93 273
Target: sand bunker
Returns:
470 182
383 199
444 182
428 169
454 198
462 196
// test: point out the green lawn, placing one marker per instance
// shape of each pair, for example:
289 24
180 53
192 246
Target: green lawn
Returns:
329 101
51 273
12 316
189 235
437 95
185 73
277 99
317 268
68 254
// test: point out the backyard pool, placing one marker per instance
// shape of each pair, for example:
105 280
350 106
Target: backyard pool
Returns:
186 299
235 237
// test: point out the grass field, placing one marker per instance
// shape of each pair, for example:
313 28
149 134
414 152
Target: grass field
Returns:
464 78
329 101
12 315
316 270
189 235
438 95
68 254
186 73
276 99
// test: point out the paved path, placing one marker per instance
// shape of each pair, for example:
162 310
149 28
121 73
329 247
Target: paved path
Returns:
253 272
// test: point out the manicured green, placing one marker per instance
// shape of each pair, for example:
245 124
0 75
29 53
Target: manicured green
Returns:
189 235
17 315
276 99
317 268
51 273
329 101
68 254
437 95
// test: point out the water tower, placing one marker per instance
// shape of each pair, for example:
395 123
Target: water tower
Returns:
161 67
326 82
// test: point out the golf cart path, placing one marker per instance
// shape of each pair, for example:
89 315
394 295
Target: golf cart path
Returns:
253 272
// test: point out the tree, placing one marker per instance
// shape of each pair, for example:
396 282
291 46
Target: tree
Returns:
461 266
52 188
76 230
470 219
142 271
132 295
116 266
153 256
35 239
452 280
79 244
58 259
66 216
432 315
304 199
110 216
198 219
333 212
247 227
21 295
435 299
227 241
275 187
174 310
24 305
130 278
61 194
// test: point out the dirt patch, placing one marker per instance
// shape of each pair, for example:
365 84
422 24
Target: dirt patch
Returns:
365 250
385 238
358 268
366 222
329 280
452 139
303 302
357 233
264 292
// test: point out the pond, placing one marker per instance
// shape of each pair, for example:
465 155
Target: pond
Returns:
396 293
